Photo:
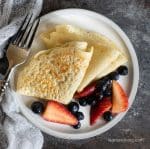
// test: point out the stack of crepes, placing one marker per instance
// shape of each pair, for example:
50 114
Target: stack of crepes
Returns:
73 60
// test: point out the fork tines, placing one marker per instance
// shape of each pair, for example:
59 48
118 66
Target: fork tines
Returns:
26 32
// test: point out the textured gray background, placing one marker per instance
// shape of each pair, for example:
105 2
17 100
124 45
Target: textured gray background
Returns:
133 132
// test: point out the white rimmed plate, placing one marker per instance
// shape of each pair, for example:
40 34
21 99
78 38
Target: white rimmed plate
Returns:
91 21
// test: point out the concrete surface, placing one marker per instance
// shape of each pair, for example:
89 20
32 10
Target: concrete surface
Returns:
133 132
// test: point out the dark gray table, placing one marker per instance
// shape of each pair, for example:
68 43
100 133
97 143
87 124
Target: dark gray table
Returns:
133 132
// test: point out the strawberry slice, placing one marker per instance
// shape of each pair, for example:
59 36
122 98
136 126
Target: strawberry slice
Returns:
98 110
86 91
119 98
58 113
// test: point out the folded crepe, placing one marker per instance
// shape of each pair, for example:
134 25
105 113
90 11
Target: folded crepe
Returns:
55 74
120 60
106 55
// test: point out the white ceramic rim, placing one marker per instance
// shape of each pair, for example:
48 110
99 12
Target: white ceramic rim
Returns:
131 95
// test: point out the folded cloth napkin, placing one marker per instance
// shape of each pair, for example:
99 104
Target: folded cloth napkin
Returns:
16 132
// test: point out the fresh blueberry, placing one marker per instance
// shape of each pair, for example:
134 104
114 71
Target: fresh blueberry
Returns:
37 107
90 99
94 102
107 116
77 126
108 91
105 86
73 107
106 78
114 75
99 96
102 85
98 93
123 70
83 102
79 115
108 82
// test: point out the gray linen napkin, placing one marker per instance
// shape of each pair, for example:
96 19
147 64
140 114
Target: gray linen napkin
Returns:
16 132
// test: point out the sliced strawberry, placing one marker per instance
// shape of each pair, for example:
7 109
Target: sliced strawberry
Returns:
57 112
98 110
86 91
119 98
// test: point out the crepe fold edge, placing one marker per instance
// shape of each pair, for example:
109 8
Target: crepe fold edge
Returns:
65 95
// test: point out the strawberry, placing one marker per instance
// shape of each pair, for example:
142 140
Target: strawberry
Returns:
86 91
98 110
119 98
58 113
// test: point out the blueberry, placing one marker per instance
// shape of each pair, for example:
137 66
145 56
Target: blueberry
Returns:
73 107
108 91
79 115
107 116
98 92
100 84
114 75
83 102
77 126
104 87
99 95
108 82
106 78
37 107
89 101
92 101
123 70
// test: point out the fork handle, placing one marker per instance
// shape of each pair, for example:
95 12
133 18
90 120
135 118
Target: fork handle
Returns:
4 84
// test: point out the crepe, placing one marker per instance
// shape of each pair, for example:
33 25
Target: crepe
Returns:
120 60
72 45
106 55
55 74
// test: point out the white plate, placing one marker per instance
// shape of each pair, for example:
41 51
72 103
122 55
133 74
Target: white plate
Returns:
94 22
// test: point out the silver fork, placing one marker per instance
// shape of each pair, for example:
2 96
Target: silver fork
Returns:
19 48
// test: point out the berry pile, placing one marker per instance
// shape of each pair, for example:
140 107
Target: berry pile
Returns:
105 96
